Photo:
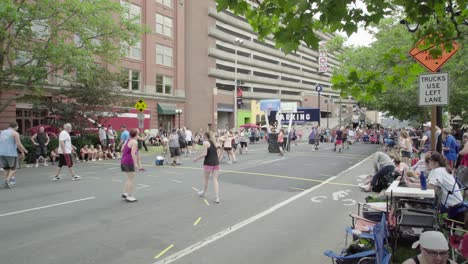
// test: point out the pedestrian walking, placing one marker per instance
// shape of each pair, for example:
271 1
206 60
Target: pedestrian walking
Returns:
129 164
338 140
174 148
102 136
243 138
11 143
281 141
210 165
41 140
65 149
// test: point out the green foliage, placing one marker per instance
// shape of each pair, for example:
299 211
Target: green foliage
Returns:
93 94
45 41
384 77
293 21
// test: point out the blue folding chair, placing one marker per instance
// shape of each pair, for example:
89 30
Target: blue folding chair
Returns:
379 255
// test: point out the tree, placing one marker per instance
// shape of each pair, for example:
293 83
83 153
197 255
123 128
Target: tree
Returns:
384 76
294 21
45 42
81 103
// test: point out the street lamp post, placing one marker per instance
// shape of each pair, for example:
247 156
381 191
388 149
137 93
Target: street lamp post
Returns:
179 112
341 110
237 42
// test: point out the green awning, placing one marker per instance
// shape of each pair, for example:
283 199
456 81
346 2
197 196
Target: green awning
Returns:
166 109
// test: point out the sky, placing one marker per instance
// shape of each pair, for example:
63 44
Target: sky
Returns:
361 38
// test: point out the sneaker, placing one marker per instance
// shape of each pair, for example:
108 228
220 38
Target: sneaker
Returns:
142 170
13 181
217 200
124 195
46 165
56 178
201 194
99 159
76 178
130 199
37 165
7 185
235 161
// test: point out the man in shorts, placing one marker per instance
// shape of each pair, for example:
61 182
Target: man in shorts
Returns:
339 140
102 136
65 149
10 142
41 140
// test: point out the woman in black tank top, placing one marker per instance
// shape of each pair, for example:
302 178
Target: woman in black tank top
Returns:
210 165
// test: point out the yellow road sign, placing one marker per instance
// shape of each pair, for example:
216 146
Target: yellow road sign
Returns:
141 105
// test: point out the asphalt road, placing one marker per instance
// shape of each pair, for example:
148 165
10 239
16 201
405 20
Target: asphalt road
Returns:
266 214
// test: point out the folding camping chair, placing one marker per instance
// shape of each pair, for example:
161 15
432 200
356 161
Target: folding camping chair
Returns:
378 255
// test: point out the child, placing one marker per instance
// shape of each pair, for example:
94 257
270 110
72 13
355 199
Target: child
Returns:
85 153
53 156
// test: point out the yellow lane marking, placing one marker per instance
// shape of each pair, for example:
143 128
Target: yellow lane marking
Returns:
207 203
196 222
164 251
338 155
269 175
300 189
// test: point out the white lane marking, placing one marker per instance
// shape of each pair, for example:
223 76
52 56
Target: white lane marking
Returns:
177 181
47 206
340 194
113 168
141 186
117 181
195 189
225 232
351 202
317 200
92 177
270 161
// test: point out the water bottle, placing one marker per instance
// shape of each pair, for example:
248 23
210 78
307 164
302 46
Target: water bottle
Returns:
422 179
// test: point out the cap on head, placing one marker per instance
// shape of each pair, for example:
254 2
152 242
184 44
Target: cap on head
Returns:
433 240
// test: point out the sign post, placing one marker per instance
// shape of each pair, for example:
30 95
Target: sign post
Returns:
140 106
433 91
318 89
435 83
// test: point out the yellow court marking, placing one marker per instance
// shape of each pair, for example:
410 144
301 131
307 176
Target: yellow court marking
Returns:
196 222
325 155
207 203
300 189
265 174
164 251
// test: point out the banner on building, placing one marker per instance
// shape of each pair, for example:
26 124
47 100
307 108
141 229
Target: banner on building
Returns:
301 116
323 57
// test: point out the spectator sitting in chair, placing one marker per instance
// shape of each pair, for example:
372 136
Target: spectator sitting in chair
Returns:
434 249
383 165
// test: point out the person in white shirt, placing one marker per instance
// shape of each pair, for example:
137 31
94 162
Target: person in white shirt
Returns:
189 140
440 178
102 136
65 149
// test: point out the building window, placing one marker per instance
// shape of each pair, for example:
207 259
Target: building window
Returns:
133 52
133 81
164 25
133 11
40 29
167 3
163 84
163 55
